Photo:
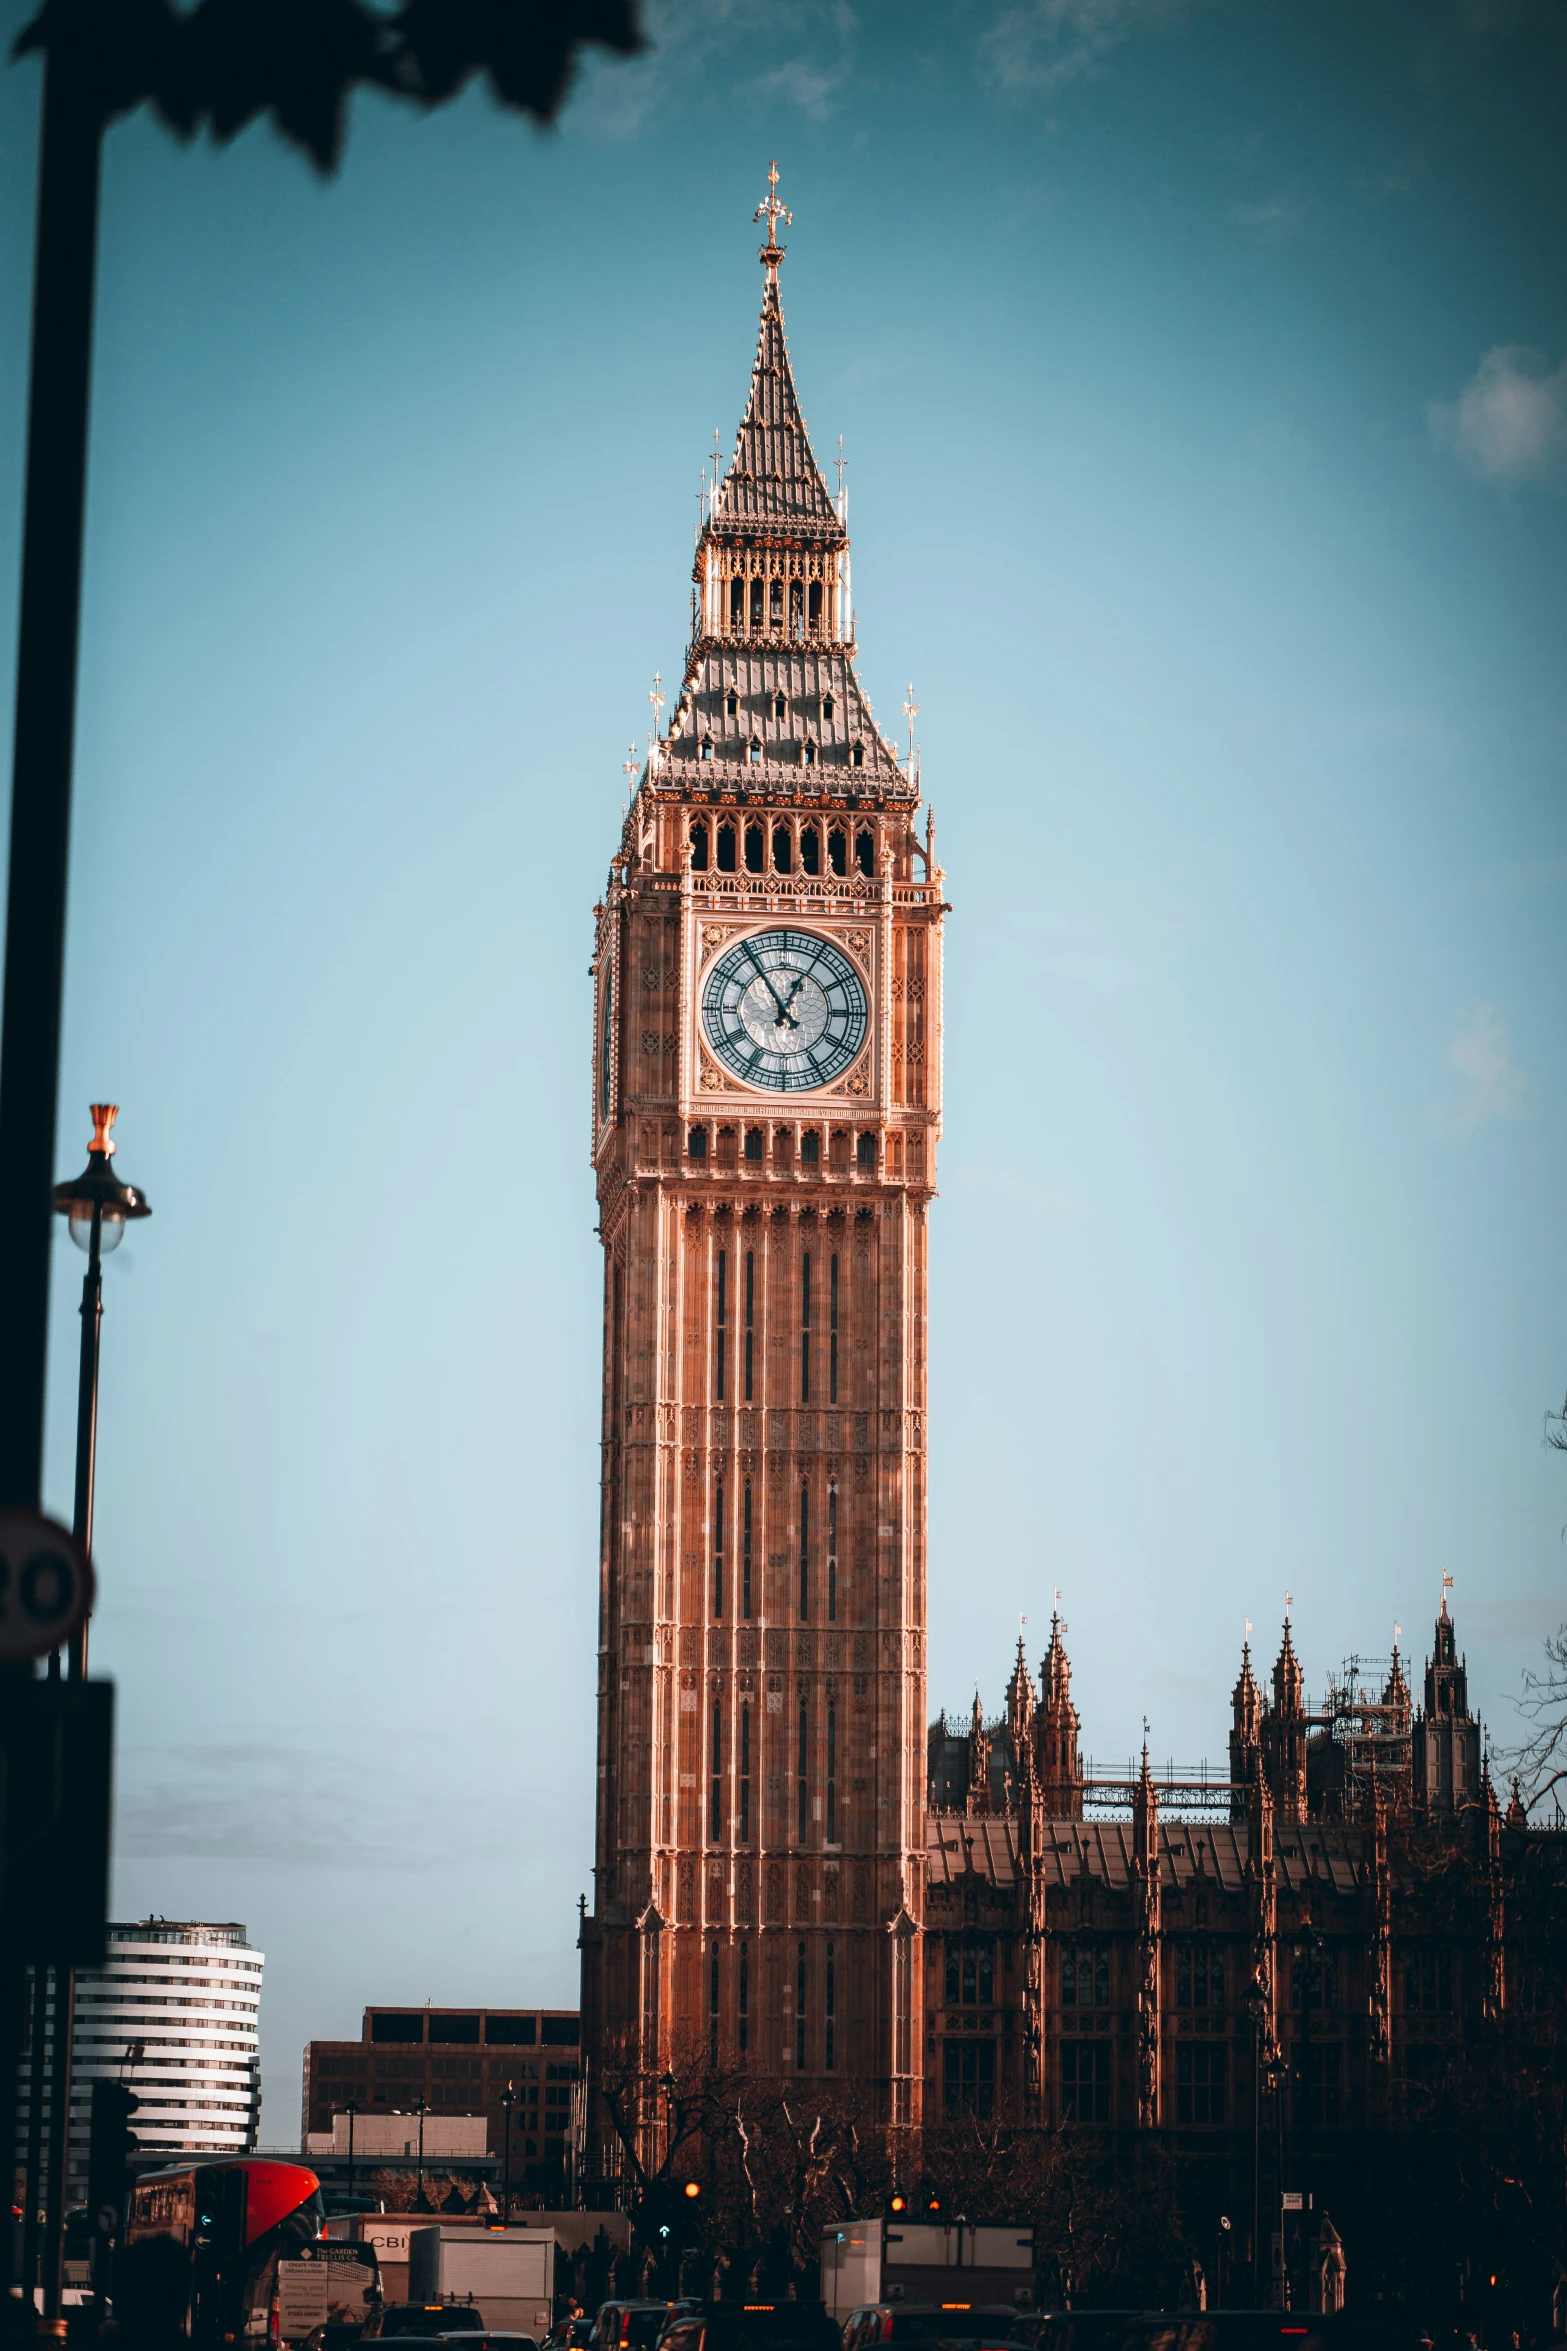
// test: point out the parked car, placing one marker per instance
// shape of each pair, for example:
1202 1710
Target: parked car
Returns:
905 2323
493 2339
429 2320
752 2326
1196 2330
631 2326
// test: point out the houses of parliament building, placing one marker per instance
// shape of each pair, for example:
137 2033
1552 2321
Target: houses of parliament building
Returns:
794 1872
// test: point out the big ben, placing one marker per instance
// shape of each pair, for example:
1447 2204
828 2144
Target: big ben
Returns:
766 1107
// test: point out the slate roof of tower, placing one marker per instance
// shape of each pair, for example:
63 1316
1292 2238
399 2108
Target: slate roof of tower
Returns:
808 677
774 481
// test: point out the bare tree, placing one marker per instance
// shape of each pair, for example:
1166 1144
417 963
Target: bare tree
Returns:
1556 1428
1540 1760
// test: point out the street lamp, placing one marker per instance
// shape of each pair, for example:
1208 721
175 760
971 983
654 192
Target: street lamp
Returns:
98 1207
350 2110
420 2110
1257 2010
508 2101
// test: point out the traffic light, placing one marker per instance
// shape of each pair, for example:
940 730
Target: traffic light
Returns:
111 2144
935 2205
897 2205
693 2189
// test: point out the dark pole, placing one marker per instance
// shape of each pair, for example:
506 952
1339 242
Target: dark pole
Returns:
63 270
64 259
419 2187
37 2044
351 2110
508 2099
65 1977
87 1421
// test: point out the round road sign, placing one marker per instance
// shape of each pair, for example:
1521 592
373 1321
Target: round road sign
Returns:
46 1584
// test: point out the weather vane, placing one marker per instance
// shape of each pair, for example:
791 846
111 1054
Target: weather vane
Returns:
774 212
1447 1585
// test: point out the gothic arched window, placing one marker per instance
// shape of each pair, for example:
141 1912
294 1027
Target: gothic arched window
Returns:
699 847
857 755
810 849
707 746
837 850
865 853
754 752
737 604
755 849
783 849
726 848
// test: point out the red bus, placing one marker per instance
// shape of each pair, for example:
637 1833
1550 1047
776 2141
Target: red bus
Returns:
236 2220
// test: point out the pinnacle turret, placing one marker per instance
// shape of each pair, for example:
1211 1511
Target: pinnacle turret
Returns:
1020 1702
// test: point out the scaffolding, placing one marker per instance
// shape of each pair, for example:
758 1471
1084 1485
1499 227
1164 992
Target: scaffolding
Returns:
1371 1730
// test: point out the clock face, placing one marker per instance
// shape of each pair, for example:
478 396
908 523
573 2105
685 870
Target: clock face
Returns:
785 1010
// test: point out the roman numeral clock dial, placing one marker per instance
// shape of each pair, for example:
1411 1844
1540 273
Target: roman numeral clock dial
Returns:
784 1010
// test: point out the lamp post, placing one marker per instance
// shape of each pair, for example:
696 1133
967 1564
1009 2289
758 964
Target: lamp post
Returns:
508 2101
350 2110
98 1207
1257 2010
420 2110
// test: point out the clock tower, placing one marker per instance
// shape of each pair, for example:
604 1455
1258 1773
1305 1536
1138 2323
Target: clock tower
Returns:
766 1106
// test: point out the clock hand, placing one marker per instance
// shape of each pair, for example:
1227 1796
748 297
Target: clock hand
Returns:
783 1009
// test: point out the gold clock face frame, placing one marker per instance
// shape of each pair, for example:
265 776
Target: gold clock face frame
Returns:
784 1010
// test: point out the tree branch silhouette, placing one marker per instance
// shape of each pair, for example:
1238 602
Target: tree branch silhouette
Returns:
226 63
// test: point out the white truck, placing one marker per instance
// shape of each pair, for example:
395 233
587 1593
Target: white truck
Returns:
508 2274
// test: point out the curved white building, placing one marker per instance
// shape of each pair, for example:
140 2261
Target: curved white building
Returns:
173 2014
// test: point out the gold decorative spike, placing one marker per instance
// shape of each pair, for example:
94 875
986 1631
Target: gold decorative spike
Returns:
772 252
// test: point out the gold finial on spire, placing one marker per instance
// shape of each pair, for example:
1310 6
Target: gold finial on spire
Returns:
774 211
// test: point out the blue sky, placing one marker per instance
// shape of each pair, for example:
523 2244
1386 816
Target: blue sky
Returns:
1202 370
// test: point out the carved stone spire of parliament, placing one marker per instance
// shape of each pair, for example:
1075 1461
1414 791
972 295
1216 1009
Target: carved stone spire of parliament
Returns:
766 1106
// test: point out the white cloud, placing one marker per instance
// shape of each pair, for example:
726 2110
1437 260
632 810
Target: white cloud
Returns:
1041 45
1510 422
694 43
1493 1085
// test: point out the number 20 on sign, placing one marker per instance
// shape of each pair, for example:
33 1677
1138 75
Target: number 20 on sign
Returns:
46 1585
